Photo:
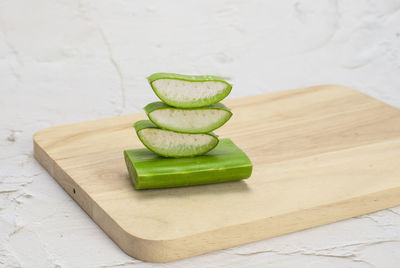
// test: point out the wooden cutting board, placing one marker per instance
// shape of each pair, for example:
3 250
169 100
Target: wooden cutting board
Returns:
320 155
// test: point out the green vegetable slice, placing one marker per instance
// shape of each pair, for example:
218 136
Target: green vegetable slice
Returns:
189 91
225 163
197 120
172 144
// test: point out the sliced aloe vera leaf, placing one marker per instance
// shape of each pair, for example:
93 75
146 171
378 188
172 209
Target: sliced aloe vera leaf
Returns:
225 163
172 144
192 120
189 91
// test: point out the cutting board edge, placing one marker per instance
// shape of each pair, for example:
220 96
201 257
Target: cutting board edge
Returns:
250 232
151 250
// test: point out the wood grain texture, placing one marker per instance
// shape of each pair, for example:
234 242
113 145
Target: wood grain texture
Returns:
320 155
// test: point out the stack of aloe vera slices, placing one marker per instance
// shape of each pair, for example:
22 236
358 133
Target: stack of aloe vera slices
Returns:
182 124
180 130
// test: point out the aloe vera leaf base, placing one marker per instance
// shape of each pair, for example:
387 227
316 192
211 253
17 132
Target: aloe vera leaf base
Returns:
226 162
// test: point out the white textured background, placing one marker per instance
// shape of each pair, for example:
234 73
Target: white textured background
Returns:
64 61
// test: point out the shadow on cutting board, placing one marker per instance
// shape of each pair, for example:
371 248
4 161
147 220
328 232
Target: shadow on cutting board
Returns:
224 188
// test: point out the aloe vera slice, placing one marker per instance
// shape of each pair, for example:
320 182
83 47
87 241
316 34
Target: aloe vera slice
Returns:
172 144
225 163
189 91
197 120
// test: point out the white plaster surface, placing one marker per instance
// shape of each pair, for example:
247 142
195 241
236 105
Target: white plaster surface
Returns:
64 61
